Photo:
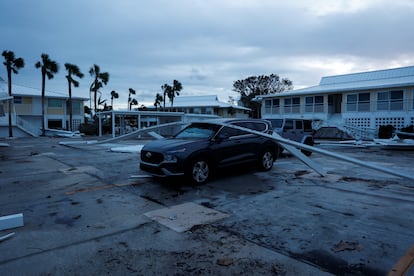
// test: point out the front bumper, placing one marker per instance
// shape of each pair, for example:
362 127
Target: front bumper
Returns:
160 170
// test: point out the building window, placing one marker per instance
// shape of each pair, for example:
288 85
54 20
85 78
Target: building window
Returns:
358 102
275 106
268 106
76 107
54 124
17 99
55 103
314 104
209 110
390 100
292 105
272 106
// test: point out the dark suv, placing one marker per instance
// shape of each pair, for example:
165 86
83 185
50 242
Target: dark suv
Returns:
202 147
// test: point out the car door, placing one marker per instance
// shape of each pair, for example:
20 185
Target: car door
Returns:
232 146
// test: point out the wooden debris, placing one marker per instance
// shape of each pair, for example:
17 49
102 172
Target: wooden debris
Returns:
404 264
225 261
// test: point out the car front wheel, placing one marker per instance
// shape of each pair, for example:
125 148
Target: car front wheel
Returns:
200 171
266 160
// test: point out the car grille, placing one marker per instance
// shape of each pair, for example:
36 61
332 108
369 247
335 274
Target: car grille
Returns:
152 157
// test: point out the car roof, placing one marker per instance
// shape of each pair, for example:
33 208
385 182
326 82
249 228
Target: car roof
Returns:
230 120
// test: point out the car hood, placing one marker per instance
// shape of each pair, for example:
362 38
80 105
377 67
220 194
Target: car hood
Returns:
169 144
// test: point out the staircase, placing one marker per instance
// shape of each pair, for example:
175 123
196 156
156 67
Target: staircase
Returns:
336 128
26 127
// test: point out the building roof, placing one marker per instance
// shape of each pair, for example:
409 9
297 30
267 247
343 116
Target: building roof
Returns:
203 101
380 79
19 90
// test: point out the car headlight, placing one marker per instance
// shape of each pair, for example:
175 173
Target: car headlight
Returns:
170 155
170 158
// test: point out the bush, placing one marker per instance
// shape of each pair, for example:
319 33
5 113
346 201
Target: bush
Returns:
409 129
89 129
385 132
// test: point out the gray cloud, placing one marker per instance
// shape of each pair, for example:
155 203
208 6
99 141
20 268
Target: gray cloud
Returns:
206 45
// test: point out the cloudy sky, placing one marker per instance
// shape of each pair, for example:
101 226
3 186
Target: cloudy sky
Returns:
205 44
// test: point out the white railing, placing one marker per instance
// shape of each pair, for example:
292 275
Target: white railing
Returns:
360 133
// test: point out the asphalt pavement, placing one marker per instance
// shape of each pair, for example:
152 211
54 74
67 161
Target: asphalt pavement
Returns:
86 209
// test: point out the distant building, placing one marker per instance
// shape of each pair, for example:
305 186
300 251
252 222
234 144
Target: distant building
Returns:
209 105
27 110
361 102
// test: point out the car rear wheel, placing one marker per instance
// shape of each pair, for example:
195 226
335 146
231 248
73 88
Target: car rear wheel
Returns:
200 171
266 160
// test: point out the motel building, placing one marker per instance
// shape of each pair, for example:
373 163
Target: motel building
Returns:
357 103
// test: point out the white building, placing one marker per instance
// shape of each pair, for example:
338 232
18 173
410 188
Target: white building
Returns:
360 101
27 110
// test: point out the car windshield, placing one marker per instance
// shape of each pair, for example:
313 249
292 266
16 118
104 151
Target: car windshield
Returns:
198 131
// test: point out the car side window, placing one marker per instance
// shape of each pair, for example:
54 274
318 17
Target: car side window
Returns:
228 132
298 125
252 125
307 125
288 125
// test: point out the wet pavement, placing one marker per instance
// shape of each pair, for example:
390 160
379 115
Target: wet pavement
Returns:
84 214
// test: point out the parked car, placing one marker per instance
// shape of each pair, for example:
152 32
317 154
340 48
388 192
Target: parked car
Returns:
298 130
203 147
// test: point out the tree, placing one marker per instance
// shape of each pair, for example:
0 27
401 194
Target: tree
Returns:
73 71
100 79
176 88
114 95
48 68
158 100
254 86
13 65
171 91
166 90
131 92
132 102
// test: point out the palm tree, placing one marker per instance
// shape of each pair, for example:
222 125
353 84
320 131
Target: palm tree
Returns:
72 70
12 65
174 91
166 88
114 95
158 100
131 92
49 68
132 102
100 79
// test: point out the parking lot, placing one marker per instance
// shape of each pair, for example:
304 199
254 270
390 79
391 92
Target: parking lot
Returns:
87 211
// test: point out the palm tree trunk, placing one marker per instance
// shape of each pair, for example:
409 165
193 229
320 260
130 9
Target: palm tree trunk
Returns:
95 93
43 103
163 109
10 102
70 106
